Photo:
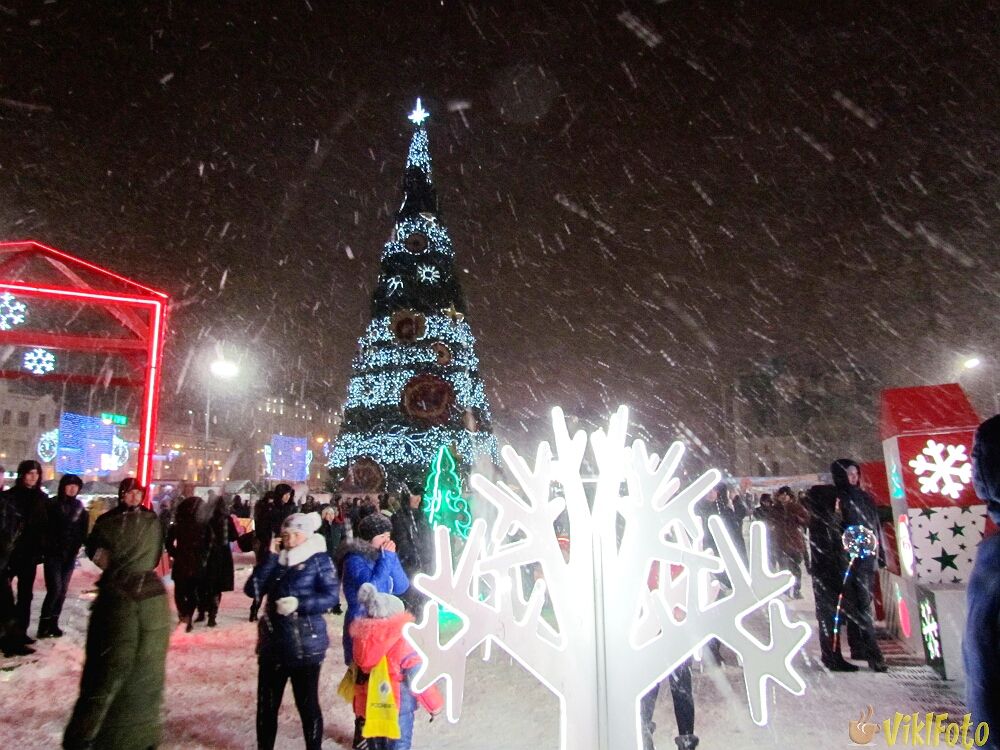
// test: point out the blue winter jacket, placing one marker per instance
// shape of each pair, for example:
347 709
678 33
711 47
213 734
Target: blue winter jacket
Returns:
981 644
359 562
299 638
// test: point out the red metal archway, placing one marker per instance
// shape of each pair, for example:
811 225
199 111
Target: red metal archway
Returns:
133 316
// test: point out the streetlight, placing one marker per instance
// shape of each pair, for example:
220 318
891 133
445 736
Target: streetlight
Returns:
222 369
974 363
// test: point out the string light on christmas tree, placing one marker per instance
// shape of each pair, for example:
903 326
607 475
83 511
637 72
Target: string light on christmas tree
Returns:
443 496
13 312
394 285
439 328
419 155
428 274
386 388
39 361
378 359
411 447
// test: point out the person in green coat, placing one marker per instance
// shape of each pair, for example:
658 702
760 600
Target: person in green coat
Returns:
122 684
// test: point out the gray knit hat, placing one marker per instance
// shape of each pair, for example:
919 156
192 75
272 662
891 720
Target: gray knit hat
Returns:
380 606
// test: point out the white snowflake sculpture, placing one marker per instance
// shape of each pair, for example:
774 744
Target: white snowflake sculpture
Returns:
394 285
428 274
39 361
607 638
947 476
12 311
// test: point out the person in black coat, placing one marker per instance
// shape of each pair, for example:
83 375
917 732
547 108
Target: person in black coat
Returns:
241 507
857 508
11 525
187 545
413 535
828 564
25 554
284 506
981 644
263 534
219 574
68 522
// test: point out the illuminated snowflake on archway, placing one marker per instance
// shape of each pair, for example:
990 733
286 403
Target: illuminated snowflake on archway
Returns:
39 361
12 311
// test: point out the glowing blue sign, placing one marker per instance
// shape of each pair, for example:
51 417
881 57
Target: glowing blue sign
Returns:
289 458
86 445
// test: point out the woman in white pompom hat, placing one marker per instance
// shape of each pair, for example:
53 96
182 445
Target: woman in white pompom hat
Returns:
298 585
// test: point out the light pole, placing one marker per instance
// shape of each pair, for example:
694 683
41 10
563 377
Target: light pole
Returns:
223 369
976 363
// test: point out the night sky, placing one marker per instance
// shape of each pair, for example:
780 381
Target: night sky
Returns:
643 217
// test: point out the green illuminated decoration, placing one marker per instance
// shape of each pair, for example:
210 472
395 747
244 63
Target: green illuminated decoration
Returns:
443 499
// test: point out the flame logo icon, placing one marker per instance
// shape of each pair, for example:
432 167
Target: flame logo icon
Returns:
863 730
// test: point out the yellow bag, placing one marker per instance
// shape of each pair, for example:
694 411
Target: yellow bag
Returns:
346 689
381 712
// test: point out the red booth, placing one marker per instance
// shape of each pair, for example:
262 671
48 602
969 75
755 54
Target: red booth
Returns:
927 435
53 302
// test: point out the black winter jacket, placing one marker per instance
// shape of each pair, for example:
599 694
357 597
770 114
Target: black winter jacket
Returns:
414 540
981 644
857 507
30 502
68 521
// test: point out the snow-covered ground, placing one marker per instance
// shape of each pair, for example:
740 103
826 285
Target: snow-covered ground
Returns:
211 694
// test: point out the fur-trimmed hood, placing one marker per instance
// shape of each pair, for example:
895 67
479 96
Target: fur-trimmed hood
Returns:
353 547
314 545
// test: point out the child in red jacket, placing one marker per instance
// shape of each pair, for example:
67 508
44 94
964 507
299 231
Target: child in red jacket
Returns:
380 634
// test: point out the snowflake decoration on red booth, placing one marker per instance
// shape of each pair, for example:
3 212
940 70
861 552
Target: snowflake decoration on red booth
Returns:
945 475
12 311
39 361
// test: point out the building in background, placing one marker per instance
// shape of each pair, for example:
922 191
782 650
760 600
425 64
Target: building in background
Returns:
24 419
793 419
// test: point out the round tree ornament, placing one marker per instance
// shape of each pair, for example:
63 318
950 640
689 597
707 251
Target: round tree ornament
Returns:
416 243
442 353
408 326
428 398
364 475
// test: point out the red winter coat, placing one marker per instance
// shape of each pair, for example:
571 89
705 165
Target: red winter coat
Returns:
375 638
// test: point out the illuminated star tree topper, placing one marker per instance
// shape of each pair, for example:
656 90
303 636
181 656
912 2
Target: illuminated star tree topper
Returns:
419 114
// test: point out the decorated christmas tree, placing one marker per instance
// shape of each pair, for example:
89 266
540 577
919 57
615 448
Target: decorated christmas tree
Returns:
415 384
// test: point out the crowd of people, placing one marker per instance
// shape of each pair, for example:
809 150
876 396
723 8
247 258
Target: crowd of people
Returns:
308 555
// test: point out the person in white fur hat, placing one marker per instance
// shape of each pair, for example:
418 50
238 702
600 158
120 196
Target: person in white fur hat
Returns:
297 585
